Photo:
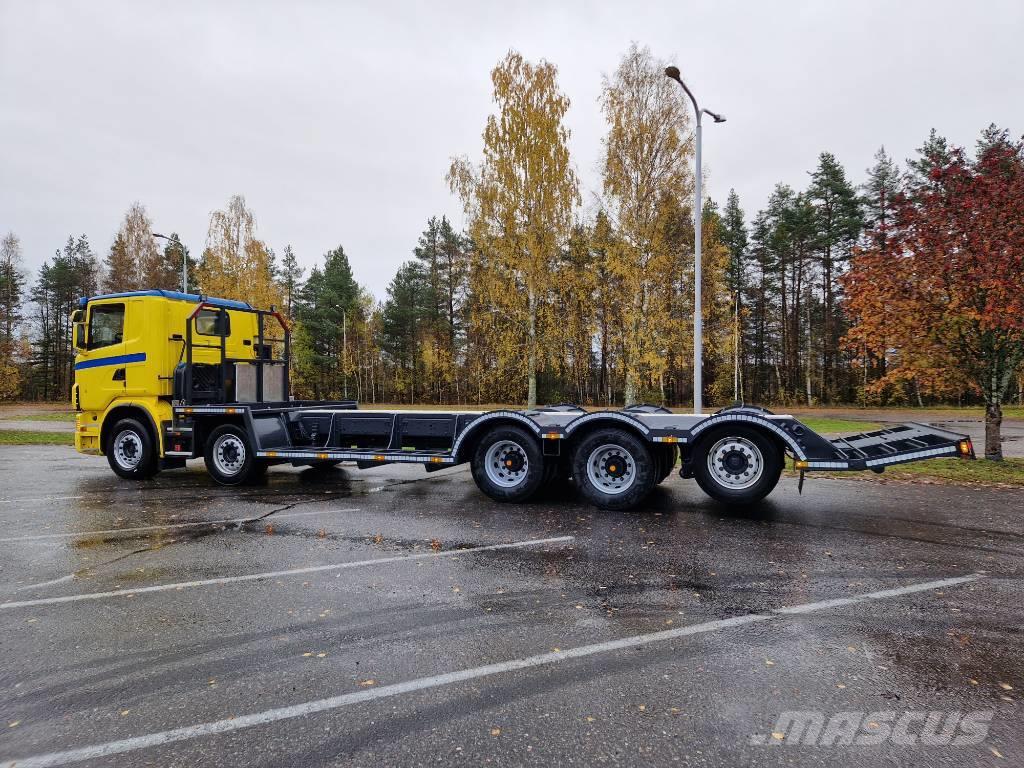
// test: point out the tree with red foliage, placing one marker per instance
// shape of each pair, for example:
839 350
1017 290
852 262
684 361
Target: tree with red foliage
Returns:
940 293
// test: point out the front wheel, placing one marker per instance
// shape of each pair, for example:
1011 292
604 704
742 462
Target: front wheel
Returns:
614 469
229 457
131 452
508 464
737 465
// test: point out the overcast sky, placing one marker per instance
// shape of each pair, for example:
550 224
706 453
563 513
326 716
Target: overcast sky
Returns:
337 120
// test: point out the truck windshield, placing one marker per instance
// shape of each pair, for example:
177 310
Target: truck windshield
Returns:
106 325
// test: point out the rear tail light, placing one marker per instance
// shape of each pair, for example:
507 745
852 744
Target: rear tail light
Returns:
966 449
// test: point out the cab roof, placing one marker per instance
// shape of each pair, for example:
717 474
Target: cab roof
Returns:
173 295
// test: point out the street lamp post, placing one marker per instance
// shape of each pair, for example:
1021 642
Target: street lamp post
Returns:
184 259
698 341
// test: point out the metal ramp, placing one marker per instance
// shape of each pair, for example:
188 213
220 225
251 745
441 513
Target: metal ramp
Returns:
892 445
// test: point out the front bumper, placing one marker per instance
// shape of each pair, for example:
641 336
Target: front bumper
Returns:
87 434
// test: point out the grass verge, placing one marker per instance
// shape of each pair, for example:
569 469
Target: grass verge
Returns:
66 416
26 437
822 424
1001 474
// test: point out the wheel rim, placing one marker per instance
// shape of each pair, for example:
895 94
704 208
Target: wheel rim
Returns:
229 454
735 463
128 450
611 468
506 464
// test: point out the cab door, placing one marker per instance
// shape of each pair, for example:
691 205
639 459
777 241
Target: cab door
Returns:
100 368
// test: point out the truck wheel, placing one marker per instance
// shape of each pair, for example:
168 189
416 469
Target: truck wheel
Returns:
737 465
668 462
229 457
130 451
614 469
508 464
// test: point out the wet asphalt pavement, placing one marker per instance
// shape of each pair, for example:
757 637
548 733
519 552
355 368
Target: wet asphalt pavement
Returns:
347 662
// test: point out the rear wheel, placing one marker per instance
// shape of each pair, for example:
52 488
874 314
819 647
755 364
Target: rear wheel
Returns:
229 457
508 464
737 465
668 461
614 469
131 452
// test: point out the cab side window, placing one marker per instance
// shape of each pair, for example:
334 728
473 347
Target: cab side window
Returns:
209 322
106 325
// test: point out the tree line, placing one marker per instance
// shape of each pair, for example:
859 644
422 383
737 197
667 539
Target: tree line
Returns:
545 296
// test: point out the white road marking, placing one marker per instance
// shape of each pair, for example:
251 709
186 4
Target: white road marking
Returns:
168 526
50 583
40 498
275 574
437 681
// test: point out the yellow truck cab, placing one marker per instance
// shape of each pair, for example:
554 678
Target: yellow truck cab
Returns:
139 352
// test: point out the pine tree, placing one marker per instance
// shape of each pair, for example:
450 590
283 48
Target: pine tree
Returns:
174 251
879 195
72 273
734 237
838 221
932 156
290 278
327 304
405 326
121 270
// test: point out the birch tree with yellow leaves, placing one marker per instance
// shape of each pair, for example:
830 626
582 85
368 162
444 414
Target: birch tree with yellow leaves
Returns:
646 177
519 203
235 263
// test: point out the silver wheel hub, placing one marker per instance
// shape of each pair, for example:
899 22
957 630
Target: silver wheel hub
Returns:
735 463
611 469
229 454
128 449
506 464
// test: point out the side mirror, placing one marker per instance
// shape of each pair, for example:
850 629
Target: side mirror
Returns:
80 336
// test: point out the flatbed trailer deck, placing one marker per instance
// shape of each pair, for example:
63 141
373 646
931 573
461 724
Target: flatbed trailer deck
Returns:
735 454
225 399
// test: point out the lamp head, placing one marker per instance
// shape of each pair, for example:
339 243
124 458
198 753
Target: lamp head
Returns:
672 72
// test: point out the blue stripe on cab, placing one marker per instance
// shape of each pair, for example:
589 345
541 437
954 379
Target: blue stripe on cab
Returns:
136 357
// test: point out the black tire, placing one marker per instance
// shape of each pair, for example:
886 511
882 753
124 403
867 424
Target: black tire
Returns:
763 465
513 476
606 482
557 483
229 456
668 462
131 452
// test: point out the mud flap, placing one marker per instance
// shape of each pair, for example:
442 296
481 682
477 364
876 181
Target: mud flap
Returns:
800 484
